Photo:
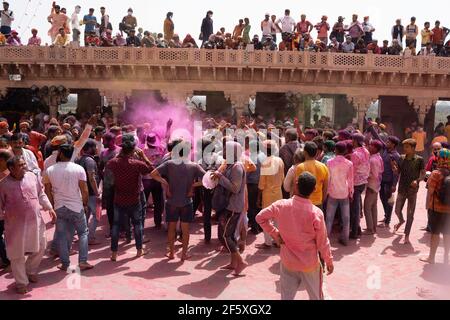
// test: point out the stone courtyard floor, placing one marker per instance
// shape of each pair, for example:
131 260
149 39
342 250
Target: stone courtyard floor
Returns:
378 267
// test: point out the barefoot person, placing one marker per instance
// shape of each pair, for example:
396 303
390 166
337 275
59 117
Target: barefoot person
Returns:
232 179
126 172
302 235
178 176
411 170
21 198
438 204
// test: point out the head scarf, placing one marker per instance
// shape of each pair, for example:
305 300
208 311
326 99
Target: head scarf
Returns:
443 159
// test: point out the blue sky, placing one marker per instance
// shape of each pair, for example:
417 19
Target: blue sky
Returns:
188 14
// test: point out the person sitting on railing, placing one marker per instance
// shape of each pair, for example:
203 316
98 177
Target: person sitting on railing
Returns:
320 46
92 40
34 40
445 51
58 20
189 42
410 50
175 42
286 43
119 41
62 39
211 43
229 43
133 40
373 47
106 39
395 49
334 45
269 44
427 50
160 42
348 46
306 43
13 39
385 48
2 40
129 22
257 45
360 46
220 41
148 41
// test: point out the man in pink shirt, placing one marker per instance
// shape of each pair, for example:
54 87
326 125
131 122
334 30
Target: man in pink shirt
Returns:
34 40
340 190
304 26
361 168
373 186
302 235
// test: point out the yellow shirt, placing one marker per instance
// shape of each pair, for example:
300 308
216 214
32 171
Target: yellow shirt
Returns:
426 36
318 170
61 40
2 39
420 140
271 180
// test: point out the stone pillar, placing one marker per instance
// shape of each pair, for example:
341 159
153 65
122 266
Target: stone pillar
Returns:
422 106
178 97
116 100
361 103
239 101
53 98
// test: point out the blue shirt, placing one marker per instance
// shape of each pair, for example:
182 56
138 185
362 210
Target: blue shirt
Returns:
89 27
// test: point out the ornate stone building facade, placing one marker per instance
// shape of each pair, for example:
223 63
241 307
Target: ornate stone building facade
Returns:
240 75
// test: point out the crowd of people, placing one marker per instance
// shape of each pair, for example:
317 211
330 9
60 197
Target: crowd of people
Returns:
297 185
355 37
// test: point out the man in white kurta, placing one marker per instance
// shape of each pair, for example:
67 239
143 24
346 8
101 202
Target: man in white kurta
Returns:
21 196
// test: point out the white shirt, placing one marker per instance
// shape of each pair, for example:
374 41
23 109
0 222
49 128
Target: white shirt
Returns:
31 161
5 20
64 178
367 27
287 23
51 160
266 27
289 179
75 22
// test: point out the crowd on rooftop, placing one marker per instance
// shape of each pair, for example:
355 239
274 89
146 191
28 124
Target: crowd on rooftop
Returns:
276 33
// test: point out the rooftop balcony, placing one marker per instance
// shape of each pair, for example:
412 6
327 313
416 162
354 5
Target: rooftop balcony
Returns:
120 56
177 73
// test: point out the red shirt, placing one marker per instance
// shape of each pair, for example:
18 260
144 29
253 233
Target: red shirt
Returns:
437 36
304 26
36 139
126 175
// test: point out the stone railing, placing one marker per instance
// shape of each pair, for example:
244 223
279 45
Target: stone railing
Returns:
223 58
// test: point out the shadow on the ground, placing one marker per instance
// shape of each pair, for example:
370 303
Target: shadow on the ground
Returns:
210 287
399 249
161 269
438 273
